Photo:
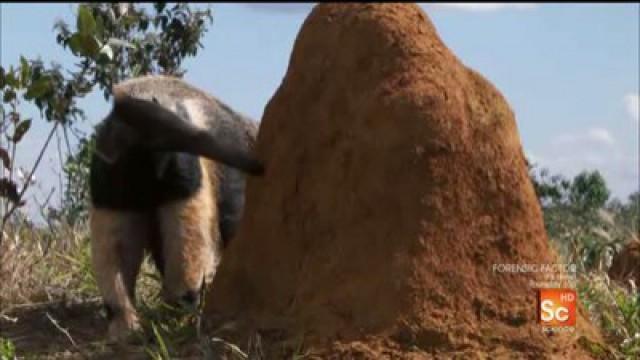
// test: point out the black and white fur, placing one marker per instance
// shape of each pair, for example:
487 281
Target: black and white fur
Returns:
168 177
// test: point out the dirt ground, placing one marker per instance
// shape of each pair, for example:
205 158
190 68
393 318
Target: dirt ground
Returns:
56 330
60 330
65 331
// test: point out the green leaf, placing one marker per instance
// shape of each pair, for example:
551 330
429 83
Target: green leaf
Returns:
9 95
144 24
7 349
38 88
107 51
99 27
11 79
120 43
25 71
86 23
161 343
75 43
2 77
9 190
160 6
128 20
85 45
6 160
21 129
91 46
136 70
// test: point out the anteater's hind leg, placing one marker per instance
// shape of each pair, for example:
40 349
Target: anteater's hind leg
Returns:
117 248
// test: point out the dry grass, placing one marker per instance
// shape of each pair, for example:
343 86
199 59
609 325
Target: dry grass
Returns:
44 265
47 290
615 308
50 306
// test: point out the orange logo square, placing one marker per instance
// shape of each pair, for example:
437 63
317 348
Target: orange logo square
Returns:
557 307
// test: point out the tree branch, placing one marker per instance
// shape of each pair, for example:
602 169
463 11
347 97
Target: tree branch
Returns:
15 205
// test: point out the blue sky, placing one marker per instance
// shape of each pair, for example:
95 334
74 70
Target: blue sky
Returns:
569 71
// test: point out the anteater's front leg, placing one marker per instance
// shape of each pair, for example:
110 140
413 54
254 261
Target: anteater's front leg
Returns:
117 248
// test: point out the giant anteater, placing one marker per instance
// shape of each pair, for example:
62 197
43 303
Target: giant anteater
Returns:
167 176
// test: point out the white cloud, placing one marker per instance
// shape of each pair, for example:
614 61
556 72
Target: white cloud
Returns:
633 106
533 157
619 169
592 149
599 135
483 6
591 136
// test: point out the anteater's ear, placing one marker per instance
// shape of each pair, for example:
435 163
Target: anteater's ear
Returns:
162 129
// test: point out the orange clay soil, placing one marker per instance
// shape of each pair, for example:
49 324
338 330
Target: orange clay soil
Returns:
395 180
